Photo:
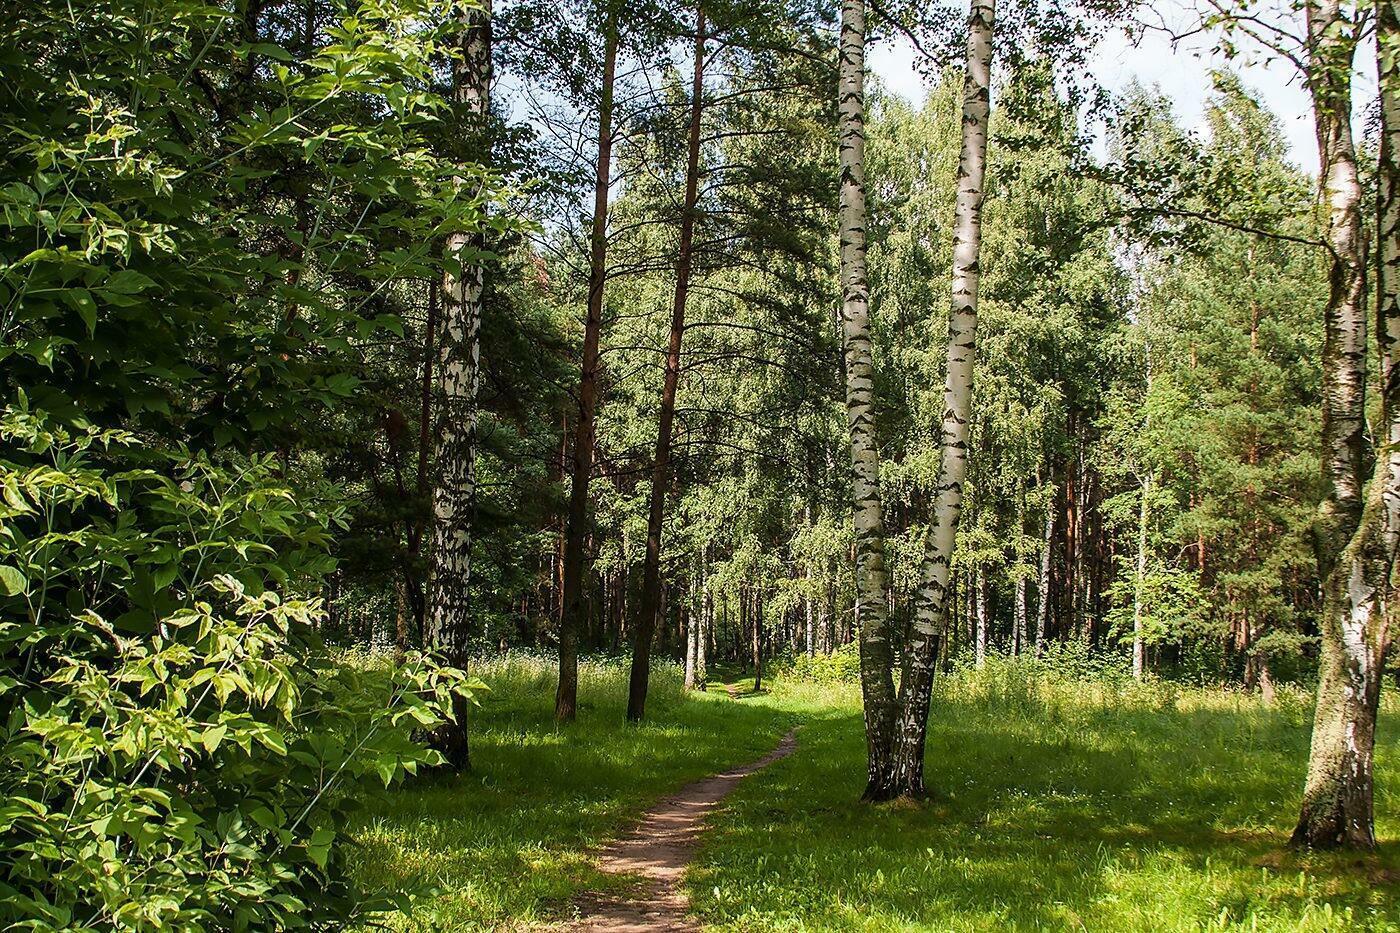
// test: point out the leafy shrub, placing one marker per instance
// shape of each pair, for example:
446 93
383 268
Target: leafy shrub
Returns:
841 666
198 230
173 747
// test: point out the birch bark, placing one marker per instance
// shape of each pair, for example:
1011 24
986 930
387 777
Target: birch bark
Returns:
932 602
876 652
458 378
1356 539
1139 647
1043 592
1018 635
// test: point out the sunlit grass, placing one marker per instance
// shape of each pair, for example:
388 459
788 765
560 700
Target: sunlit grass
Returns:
509 842
1057 805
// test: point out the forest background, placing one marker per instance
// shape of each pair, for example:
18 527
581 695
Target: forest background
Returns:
458 329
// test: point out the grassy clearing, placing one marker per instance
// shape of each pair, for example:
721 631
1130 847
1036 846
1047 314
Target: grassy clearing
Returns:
1059 806
508 843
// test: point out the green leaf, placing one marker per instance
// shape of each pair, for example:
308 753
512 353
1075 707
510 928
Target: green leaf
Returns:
319 846
80 300
12 582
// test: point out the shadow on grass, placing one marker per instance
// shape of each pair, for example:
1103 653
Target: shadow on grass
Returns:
1050 818
511 838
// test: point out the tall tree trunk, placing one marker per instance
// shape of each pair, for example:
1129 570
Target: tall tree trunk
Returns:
423 486
702 642
661 464
980 651
757 612
1043 588
876 652
810 609
566 697
931 611
1139 646
1356 539
458 377
692 630
1019 629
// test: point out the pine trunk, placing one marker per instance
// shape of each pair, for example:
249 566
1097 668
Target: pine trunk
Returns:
566 697
932 604
661 463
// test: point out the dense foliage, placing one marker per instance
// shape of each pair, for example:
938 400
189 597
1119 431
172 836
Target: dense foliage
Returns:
303 301
209 213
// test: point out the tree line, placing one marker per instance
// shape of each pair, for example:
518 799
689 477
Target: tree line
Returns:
661 329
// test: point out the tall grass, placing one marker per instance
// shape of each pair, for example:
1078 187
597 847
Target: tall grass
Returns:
1076 801
1059 802
509 842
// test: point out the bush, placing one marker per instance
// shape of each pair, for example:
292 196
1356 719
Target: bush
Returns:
173 744
841 666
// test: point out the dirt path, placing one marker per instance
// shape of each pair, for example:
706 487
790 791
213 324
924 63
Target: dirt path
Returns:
659 848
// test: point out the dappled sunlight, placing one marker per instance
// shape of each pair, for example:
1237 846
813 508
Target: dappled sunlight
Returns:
1053 805
512 839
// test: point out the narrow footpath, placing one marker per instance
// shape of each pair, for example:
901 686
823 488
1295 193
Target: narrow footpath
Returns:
658 849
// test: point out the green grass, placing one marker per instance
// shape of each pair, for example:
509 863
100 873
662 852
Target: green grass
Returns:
508 842
1058 806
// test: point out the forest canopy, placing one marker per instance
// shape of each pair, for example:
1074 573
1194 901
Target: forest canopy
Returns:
348 344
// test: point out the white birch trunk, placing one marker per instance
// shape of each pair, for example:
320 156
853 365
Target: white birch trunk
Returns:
1139 649
1019 628
458 377
876 652
1356 539
932 603
1042 609
702 636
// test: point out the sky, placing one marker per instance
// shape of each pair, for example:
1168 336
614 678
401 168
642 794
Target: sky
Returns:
1182 73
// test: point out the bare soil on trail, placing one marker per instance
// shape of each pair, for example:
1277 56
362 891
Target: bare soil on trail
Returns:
658 850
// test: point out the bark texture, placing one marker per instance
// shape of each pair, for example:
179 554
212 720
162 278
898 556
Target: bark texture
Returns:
1144 516
458 378
932 603
1355 539
661 461
566 696
1018 629
876 652
1043 591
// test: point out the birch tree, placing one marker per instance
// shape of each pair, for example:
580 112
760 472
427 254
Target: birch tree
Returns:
458 378
932 603
876 654
1357 531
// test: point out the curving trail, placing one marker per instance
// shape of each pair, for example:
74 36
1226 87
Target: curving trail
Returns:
659 849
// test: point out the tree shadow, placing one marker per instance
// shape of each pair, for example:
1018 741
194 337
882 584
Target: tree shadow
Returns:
512 838
1101 819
